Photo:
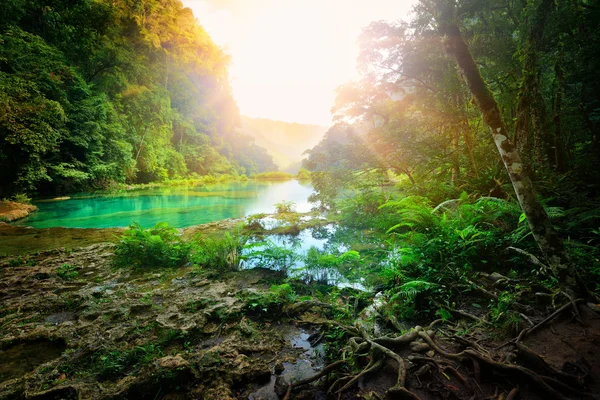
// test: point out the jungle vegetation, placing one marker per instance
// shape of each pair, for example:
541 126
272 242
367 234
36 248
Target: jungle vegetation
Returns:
97 92
460 176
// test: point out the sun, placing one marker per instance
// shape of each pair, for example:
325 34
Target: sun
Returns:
288 56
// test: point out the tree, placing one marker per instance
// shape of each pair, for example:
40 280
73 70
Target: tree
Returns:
544 233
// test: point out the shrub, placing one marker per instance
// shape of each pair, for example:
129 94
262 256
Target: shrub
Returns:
159 246
303 174
285 207
21 198
67 272
268 303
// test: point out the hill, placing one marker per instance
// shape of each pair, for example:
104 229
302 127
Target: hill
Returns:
285 141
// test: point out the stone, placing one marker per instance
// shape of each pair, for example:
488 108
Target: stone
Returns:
279 368
172 362
281 385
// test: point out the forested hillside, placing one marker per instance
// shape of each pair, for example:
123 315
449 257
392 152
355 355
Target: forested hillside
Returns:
283 140
96 91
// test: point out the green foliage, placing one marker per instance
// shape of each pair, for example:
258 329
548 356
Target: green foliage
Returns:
222 254
363 210
16 262
95 93
284 292
303 174
273 176
267 254
67 272
322 265
21 198
111 364
156 247
268 303
285 207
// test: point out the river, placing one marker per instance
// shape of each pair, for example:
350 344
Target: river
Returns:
179 206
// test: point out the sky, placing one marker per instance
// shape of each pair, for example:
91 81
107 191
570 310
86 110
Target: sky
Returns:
288 56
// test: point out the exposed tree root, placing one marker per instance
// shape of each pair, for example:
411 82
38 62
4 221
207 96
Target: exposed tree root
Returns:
526 332
325 371
373 352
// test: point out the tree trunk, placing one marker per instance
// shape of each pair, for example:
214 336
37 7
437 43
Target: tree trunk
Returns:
455 156
531 126
559 159
546 237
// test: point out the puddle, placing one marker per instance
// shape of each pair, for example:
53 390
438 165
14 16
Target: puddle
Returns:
21 358
309 362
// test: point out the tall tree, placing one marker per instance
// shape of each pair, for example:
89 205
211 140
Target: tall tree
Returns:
544 233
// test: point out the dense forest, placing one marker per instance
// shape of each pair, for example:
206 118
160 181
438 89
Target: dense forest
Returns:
452 250
95 92
430 93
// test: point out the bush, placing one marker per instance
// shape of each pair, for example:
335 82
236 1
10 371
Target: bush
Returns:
159 246
67 272
285 207
21 198
303 174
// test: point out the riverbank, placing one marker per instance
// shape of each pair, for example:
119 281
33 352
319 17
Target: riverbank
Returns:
12 211
73 325
22 240
274 176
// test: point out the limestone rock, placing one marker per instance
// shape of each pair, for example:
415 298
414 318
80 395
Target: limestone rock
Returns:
172 362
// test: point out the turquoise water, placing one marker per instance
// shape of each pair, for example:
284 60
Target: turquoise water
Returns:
179 206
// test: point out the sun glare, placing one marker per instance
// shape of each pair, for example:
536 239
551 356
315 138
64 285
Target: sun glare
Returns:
288 56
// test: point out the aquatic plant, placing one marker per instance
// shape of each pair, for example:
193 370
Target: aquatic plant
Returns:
223 253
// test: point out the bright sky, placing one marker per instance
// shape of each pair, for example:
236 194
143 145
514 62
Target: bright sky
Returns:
288 56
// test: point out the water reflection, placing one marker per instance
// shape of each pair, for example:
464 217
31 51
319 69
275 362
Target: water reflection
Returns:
179 206
289 253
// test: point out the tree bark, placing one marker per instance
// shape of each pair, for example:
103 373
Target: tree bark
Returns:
559 159
531 111
546 237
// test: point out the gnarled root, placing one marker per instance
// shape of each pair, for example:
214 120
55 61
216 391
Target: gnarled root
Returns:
548 382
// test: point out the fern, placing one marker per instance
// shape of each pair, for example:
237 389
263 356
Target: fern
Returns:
414 212
410 290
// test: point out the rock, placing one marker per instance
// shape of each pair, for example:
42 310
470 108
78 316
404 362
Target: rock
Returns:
62 393
279 368
172 362
281 385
